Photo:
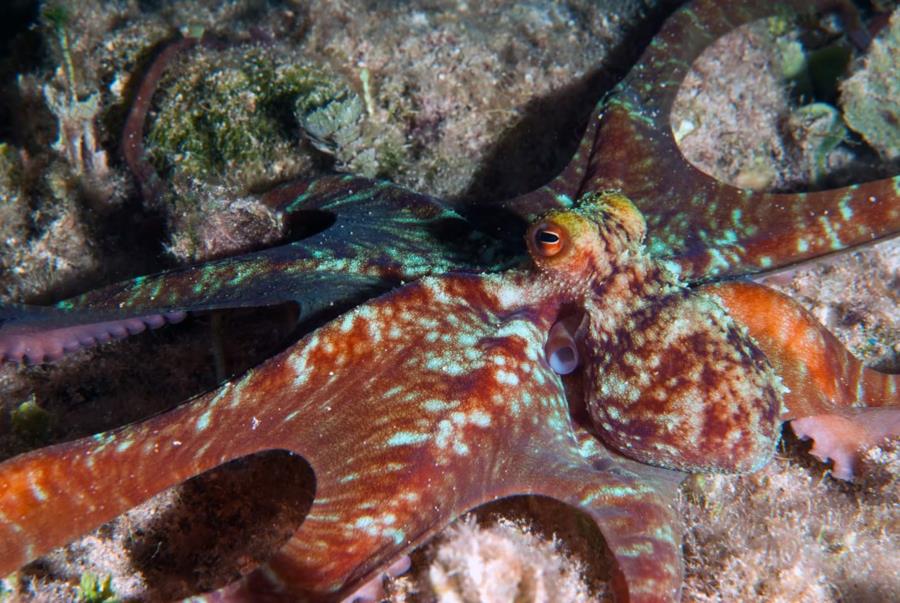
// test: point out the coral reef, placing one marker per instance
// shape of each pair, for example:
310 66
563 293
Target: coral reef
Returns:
502 562
234 115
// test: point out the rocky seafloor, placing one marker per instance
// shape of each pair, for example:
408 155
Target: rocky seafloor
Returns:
461 100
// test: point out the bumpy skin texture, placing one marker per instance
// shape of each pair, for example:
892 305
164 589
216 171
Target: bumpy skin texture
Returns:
438 396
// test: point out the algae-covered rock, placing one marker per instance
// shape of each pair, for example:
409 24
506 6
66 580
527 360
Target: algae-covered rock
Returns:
503 562
235 116
727 115
232 122
13 205
209 221
871 97
738 113
815 131
43 243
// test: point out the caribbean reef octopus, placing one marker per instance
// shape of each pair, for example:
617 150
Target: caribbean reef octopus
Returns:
622 352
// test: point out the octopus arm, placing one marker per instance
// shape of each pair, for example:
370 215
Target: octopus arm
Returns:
729 231
843 438
284 403
830 395
35 334
634 507
708 228
373 235
92 480
405 429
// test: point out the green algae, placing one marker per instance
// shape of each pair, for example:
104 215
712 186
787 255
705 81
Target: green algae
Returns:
817 130
92 589
236 116
31 422
871 97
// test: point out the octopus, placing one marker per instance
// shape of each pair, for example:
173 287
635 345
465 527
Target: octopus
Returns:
619 349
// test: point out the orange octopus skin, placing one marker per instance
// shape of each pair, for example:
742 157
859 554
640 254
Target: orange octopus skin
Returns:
830 396
438 396
421 380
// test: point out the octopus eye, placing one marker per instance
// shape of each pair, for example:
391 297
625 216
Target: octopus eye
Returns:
548 241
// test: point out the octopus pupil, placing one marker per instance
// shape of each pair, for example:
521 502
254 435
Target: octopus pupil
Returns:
545 236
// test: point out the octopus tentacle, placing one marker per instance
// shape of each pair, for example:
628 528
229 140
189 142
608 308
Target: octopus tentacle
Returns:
448 404
706 227
76 480
378 473
820 374
633 506
830 396
26 343
843 438
133 131
382 235
769 230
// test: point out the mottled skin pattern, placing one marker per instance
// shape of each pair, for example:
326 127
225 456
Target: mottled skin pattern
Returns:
438 396
343 265
705 227
470 349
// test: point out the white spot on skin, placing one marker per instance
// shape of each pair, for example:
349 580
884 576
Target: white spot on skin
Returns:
36 490
445 430
460 448
506 377
509 296
346 323
480 418
407 438
203 421
439 405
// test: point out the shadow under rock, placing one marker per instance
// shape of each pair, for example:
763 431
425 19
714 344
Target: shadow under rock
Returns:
223 524
536 149
539 147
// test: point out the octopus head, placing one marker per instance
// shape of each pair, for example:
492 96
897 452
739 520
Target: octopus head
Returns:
578 248
581 246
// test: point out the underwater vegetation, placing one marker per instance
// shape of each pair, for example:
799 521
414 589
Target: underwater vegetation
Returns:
869 98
